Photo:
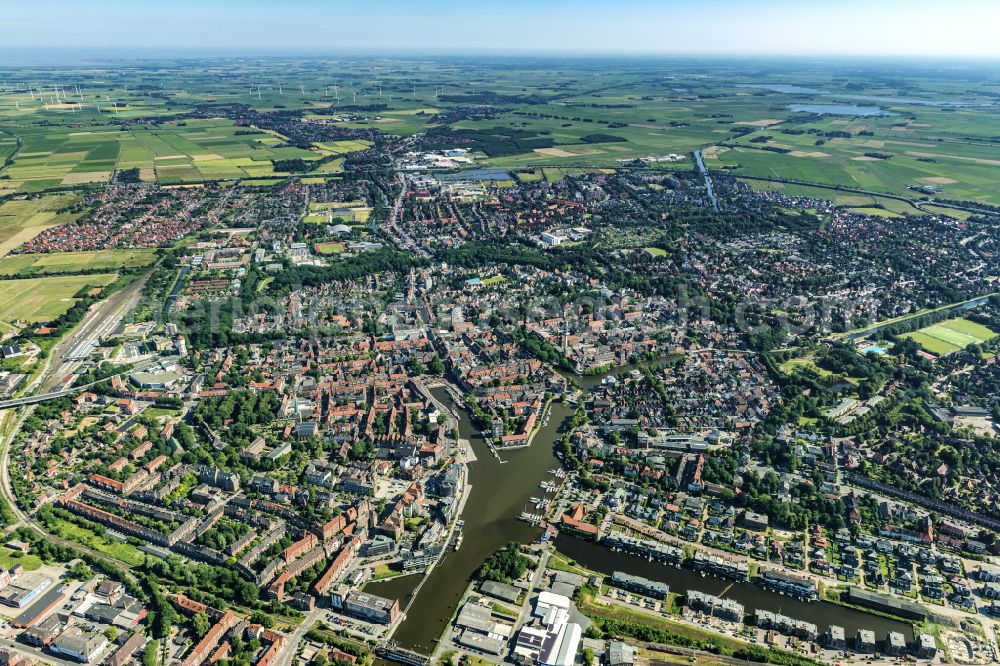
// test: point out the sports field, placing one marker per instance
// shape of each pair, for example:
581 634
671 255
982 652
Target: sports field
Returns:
949 336
44 299
329 248
70 262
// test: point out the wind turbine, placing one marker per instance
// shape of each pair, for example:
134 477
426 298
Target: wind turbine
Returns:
336 93
302 88
280 91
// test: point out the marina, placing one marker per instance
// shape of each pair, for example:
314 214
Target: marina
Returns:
497 513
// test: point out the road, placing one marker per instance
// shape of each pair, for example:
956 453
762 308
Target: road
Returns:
294 638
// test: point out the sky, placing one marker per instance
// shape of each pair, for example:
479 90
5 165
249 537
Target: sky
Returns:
958 28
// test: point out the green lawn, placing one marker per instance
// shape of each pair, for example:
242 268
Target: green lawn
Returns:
793 364
10 558
120 551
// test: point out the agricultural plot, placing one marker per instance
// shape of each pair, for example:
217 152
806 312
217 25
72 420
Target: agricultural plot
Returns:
54 156
744 121
173 152
21 220
882 154
344 147
70 262
43 299
199 150
949 336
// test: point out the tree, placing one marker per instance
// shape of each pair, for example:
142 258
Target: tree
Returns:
201 624
80 571
505 565
150 656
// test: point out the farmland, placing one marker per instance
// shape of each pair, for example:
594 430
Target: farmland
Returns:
22 220
949 336
43 299
939 134
73 262
194 150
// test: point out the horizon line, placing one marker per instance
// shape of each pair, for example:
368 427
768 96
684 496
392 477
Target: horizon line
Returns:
153 52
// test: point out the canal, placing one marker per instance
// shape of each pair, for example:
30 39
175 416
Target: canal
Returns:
708 179
501 491
821 613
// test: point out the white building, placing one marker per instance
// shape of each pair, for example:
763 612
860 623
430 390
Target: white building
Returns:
551 239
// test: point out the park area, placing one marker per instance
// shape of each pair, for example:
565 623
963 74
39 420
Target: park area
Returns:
951 335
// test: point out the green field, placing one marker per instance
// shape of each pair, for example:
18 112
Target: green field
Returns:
572 115
124 552
44 299
192 150
23 219
10 558
25 265
949 336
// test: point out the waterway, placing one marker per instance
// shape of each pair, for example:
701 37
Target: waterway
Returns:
822 613
501 491
178 285
957 307
882 99
841 110
708 179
